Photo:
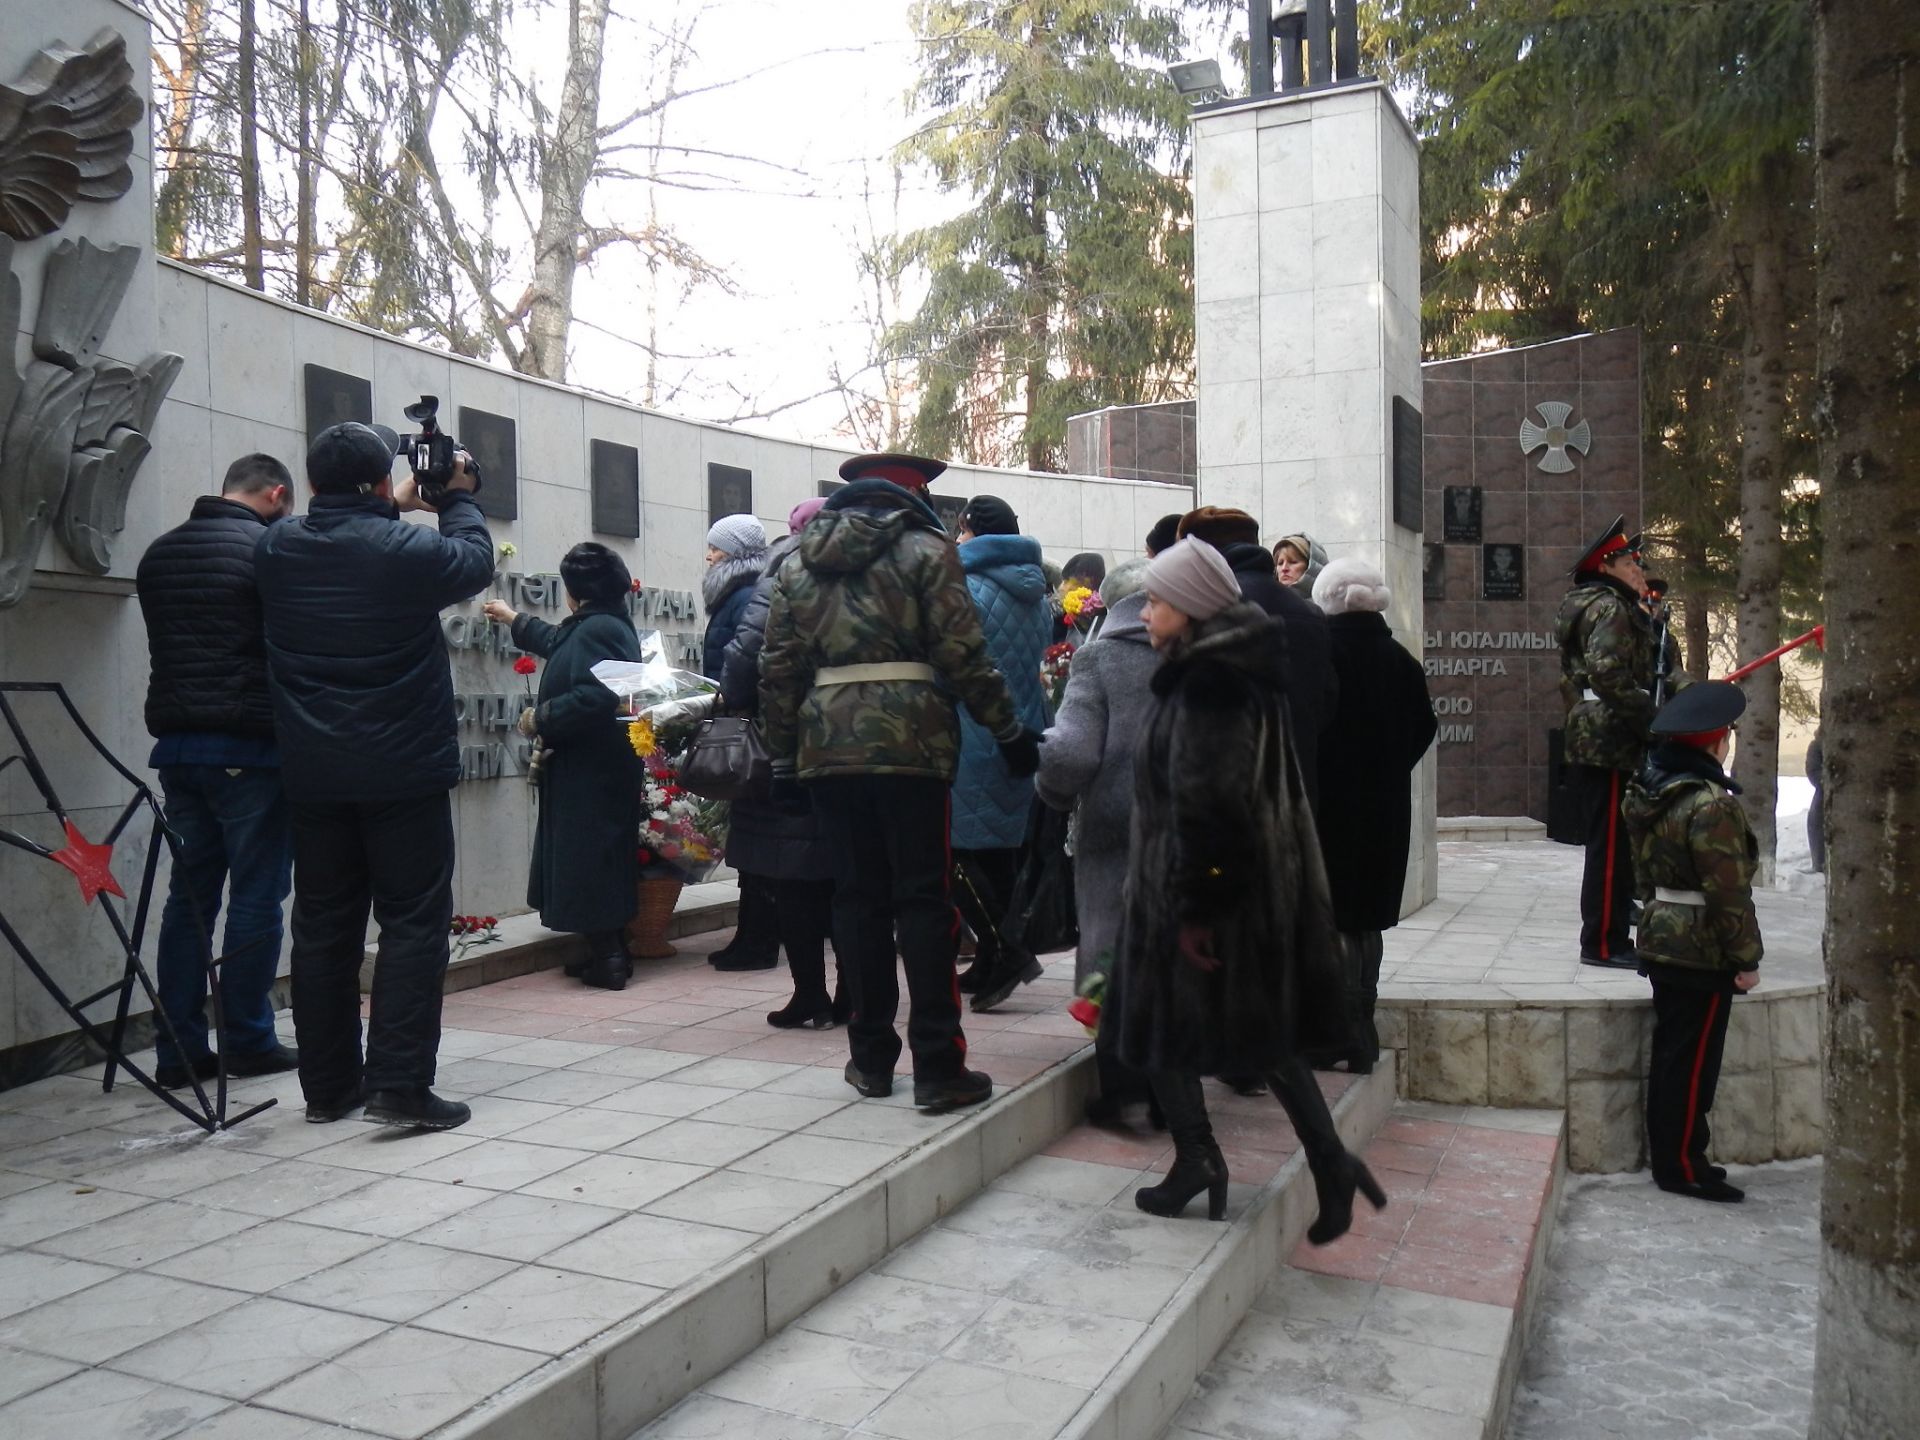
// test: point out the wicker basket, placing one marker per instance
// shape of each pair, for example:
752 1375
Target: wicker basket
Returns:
647 931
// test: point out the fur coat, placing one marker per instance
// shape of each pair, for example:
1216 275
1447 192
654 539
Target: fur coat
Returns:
1222 836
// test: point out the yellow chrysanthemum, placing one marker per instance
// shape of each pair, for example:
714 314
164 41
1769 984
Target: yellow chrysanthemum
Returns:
1074 601
640 735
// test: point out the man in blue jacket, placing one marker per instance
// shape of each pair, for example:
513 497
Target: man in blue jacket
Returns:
363 706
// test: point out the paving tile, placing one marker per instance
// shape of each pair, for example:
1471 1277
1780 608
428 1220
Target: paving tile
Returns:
768 1111
549 1053
1131 1292
817 1377
539 1308
503 1022
697 1042
499 1164
1492 1280
480 1075
1080 1181
969 1262
397 1281
709 1417
1139 1151
27 1280
1228 1403
736 1074
1292 1356
665 1097
635 1062
1308 1297
493 1117
386 1150
817 1157
392 1207
651 1250
1440 1320
21 1373
402 1383
48 1209
168 1169
516 1227
697 1142
100 1405
281 1188
1130 1237
1022 1219
249 1422
760 1203
949 1400
884 1124
622 1182
103 1321
564 1087
271 1254
1358 1257
896 1313
250 1347
1052 1342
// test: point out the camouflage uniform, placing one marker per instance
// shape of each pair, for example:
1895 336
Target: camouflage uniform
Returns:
1695 858
877 582
1606 680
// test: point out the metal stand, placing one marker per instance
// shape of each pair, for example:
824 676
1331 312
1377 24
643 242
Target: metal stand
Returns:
89 865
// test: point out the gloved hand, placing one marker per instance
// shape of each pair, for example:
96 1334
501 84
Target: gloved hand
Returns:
1022 753
526 724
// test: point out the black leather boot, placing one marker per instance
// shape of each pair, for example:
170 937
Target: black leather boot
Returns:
1197 1162
1337 1172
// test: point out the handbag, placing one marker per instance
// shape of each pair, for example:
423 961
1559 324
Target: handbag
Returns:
727 760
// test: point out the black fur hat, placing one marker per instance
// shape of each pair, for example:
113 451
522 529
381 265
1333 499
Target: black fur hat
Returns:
593 574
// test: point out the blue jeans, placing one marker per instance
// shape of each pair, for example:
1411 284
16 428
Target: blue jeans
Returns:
229 824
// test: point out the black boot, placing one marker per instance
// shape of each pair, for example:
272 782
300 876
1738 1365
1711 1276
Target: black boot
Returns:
609 968
417 1109
756 937
1337 1173
1197 1162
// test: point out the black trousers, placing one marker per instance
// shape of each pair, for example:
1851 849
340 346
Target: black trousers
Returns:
889 838
1184 1103
757 929
395 858
803 914
1365 949
1689 1035
1606 888
983 895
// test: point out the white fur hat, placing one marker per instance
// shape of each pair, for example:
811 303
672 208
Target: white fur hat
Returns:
1351 585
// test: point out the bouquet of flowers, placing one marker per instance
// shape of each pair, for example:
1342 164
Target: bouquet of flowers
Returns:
1079 605
680 833
1054 665
471 930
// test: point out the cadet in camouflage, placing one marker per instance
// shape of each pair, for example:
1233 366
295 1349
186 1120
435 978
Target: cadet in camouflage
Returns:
1699 937
1606 680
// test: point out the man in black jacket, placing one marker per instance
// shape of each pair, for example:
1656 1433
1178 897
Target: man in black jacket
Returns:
212 723
363 703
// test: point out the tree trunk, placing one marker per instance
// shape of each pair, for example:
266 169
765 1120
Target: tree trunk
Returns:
1761 267
1867 91
1696 635
176 117
570 155
303 197
252 261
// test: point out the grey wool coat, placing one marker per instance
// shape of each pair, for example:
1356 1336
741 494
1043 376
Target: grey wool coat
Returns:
1223 838
1088 759
587 832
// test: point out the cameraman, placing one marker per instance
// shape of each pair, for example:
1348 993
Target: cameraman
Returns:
363 707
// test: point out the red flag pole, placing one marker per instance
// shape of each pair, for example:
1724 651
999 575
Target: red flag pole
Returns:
1818 635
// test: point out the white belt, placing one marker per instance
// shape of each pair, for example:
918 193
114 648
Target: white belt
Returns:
917 670
1679 897
1588 695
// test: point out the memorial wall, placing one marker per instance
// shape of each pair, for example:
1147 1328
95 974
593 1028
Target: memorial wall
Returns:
561 465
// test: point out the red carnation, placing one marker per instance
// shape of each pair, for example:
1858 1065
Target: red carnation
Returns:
489 922
524 665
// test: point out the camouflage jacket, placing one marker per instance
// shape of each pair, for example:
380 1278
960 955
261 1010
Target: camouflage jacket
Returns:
1606 651
1689 835
876 580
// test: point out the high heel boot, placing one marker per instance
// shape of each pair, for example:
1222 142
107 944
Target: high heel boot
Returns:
1197 1162
1337 1172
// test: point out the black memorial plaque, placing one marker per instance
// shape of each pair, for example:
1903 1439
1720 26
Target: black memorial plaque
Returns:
1433 572
334 398
1460 513
949 508
1409 471
1503 572
729 491
616 488
490 439
827 487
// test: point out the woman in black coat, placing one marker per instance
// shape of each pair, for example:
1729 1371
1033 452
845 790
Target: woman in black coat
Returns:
1226 962
585 863
1382 726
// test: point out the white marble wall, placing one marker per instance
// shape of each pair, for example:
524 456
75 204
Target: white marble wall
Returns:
1307 318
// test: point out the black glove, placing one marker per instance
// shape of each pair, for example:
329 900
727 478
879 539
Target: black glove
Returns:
1022 753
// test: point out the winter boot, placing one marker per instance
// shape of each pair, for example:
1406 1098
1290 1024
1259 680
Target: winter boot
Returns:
1337 1173
1197 1162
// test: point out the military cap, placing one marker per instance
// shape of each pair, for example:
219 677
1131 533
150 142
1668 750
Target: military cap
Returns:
1611 542
1700 712
915 472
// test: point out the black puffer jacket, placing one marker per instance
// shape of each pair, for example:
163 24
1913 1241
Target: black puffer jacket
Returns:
1306 667
362 694
202 611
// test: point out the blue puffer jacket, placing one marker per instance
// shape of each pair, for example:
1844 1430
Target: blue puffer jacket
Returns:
1009 590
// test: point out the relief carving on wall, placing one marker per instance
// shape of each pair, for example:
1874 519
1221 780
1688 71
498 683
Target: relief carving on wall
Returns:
73 426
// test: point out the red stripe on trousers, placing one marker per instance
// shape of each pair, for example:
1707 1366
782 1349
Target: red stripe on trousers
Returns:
1693 1091
1606 895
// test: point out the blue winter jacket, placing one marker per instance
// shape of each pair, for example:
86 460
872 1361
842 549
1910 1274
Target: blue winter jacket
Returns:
1009 590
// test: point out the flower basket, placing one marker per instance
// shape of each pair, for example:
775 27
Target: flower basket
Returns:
653 912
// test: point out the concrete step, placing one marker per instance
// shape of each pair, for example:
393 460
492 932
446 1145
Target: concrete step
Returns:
1047 1305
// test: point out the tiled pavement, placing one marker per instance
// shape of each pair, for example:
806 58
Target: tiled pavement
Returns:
285 1279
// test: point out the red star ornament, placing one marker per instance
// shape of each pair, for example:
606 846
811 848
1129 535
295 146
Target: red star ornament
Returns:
92 865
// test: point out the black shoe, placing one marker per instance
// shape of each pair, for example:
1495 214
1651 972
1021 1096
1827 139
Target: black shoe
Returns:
969 1087
1334 1184
969 979
277 1061
1710 1188
607 972
748 961
179 1077
325 1112
1197 1165
874 1087
418 1108
798 1014
1247 1085
997 987
1625 960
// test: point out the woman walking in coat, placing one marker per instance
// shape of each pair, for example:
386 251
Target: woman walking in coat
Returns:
1222 962
990 802
1381 727
778 842
585 844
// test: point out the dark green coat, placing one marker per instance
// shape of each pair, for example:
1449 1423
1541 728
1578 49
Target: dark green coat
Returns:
1690 835
584 864
1606 648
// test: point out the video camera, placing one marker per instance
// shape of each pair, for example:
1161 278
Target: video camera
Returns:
431 452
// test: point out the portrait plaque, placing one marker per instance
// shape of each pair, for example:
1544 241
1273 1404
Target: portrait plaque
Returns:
729 491
1433 572
615 470
1460 513
1409 467
334 398
1502 572
949 508
490 439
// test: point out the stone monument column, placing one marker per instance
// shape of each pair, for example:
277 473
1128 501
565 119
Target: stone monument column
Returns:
1307 319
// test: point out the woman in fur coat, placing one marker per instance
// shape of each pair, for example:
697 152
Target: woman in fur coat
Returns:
1226 961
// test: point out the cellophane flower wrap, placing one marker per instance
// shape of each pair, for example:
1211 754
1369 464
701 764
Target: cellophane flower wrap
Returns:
681 834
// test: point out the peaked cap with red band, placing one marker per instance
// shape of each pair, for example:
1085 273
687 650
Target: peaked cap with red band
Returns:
915 472
1612 541
1701 714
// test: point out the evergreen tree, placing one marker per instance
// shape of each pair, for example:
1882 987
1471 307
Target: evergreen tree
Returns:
1066 284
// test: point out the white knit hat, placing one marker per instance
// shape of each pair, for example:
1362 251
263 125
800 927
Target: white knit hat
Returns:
1194 578
738 535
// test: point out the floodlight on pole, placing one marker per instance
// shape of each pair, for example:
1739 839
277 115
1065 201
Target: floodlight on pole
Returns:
1198 81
